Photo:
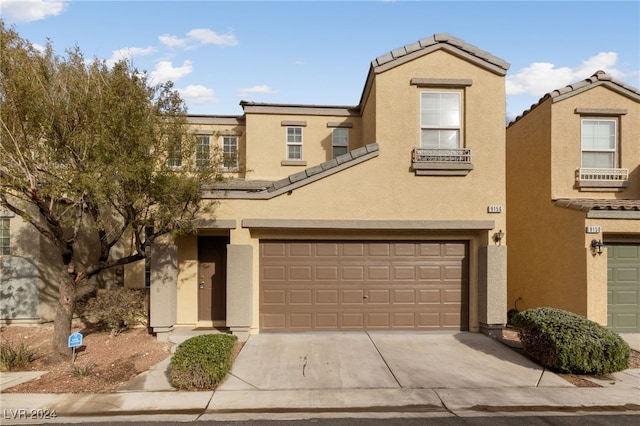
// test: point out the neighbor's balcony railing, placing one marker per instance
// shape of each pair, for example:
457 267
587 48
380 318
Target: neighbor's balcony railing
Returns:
602 175
437 155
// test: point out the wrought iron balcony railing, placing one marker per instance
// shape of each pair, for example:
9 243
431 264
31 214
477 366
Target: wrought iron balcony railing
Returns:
602 174
438 155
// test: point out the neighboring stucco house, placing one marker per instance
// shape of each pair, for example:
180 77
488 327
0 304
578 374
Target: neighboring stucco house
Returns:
385 215
573 197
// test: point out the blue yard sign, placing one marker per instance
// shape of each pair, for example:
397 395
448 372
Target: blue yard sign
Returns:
75 340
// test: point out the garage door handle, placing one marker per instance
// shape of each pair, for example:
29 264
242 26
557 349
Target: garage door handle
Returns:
365 297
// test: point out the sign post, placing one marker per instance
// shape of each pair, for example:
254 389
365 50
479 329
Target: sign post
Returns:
75 340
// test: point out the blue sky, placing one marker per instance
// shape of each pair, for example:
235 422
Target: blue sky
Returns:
319 52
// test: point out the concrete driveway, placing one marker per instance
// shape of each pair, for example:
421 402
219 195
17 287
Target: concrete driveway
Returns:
378 360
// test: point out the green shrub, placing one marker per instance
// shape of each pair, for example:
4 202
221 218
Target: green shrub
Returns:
203 361
569 343
116 309
15 356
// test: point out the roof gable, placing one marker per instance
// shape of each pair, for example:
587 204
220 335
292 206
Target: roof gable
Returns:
600 78
445 41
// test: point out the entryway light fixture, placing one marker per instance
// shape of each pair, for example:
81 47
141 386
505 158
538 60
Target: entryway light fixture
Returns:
596 246
498 236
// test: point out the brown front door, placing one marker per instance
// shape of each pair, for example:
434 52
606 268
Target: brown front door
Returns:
212 280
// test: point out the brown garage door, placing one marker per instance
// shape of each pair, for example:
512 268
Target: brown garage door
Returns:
363 285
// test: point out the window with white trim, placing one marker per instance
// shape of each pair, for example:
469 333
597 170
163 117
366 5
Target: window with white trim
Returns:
203 151
599 143
340 141
440 120
5 237
294 143
174 156
230 152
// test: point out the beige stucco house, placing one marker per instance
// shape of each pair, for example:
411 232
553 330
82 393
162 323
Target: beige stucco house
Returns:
385 215
573 192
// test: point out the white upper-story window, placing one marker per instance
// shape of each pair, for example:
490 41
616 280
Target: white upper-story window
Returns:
599 143
203 150
294 143
230 152
440 118
340 141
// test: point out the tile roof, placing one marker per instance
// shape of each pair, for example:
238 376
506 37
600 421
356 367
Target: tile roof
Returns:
585 204
237 188
597 79
435 41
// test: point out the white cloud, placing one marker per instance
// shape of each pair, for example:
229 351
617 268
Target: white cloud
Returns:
543 77
260 89
206 36
165 71
128 53
199 36
20 11
172 41
197 95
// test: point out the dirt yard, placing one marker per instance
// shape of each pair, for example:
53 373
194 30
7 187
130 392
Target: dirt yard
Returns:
103 364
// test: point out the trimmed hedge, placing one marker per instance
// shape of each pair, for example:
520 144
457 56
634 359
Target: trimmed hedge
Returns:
569 343
201 362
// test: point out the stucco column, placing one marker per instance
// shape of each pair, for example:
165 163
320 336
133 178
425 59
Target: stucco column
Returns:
239 289
162 295
492 289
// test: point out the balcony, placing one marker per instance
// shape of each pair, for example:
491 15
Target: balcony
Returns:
602 178
441 162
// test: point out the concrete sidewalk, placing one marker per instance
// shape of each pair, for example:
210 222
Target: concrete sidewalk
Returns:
306 375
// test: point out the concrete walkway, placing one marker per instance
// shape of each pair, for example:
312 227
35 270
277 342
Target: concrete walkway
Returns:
311 374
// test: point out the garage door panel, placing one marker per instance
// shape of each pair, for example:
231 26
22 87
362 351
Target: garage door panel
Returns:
378 297
327 273
352 320
623 287
404 273
327 320
327 249
274 297
429 296
274 273
379 249
327 297
355 273
300 273
301 321
355 285
350 297
429 272
377 273
430 250
273 321
300 249
300 297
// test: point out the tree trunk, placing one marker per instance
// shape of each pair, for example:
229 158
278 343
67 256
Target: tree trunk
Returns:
64 315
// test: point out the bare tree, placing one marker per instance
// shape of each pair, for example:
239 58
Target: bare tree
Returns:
92 155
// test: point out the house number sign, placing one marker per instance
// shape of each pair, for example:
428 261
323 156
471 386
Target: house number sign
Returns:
594 229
